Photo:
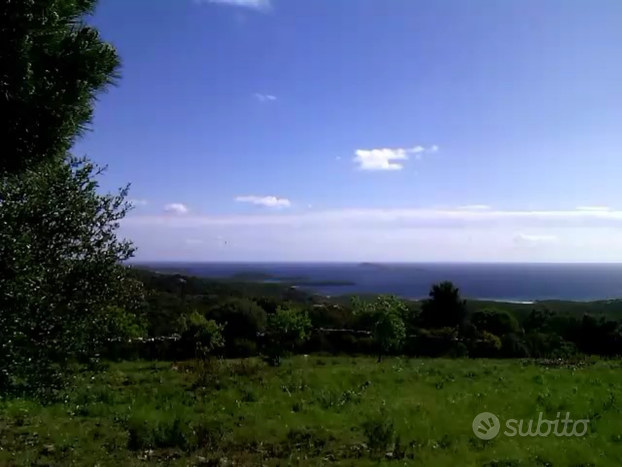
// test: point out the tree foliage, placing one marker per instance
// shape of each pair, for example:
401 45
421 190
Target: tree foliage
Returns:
204 335
497 322
444 307
53 67
64 292
242 318
386 313
287 327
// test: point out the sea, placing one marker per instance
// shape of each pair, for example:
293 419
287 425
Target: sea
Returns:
524 282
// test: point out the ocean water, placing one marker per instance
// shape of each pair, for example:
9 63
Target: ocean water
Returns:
509 282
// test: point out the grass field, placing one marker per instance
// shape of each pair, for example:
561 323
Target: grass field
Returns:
318 411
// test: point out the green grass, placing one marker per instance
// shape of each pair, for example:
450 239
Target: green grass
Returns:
318 411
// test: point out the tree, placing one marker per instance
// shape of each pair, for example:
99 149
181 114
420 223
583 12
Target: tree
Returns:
444 307
386 313
203 335
538 320
287 327
64 292
497 322
53 67
242 318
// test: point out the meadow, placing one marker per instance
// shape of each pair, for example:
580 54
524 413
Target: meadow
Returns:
315 410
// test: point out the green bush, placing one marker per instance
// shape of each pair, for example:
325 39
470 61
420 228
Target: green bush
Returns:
287 328
486 345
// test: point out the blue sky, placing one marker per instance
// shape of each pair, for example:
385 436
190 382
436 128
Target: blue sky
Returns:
355 130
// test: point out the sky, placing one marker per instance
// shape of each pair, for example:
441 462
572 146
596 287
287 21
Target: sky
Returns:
365 130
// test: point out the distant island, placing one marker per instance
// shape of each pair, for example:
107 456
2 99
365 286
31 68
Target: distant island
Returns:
373 265
255 276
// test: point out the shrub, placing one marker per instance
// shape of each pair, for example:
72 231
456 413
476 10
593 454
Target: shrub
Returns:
487 345
202 335
287 328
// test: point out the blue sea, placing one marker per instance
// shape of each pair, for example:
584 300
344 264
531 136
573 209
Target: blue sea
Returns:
493 281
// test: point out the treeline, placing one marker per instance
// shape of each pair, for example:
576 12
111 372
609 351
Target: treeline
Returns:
252 319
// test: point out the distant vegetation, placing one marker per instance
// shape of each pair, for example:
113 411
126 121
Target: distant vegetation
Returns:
258 276
443 325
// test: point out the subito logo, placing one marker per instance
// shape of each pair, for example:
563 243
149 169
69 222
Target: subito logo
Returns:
486 425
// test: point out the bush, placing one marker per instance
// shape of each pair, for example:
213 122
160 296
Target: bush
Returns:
287 328
487 345
201 335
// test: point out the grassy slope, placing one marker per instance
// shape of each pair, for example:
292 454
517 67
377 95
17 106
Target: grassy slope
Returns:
311 411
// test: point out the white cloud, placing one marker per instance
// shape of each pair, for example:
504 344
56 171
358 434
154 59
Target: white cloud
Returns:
138 202
267 201
593 208
265 97
251 4
384 158
176 208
